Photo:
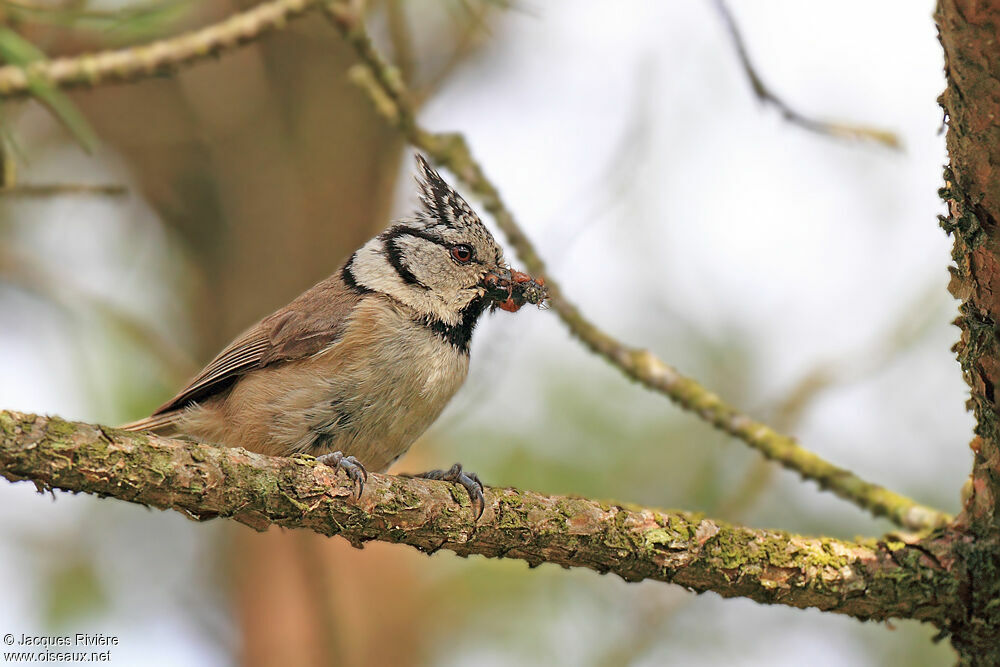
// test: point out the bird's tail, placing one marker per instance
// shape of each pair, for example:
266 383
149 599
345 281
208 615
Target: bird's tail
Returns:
162 424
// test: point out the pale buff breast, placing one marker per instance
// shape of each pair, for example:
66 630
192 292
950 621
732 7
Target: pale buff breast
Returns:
370 394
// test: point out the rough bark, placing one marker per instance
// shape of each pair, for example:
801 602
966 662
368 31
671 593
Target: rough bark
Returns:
871 580
969 31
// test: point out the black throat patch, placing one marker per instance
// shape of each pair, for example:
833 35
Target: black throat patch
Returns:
459 335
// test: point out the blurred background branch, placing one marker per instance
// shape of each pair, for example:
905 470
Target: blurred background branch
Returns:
18 270
152 59
60 189
154 16
766 96
911 328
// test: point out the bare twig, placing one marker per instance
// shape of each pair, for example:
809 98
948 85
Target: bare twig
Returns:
402 39
767 96
155 58
471 32
394 101
873 580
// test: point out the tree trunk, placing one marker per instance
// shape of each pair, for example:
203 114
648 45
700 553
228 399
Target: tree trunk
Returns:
969 30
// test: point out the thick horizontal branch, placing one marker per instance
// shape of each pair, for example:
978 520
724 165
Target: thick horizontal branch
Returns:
155 58
874 580
394 101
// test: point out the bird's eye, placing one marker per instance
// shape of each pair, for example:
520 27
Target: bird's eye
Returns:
461 253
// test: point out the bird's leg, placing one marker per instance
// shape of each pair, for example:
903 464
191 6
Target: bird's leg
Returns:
355 471
469 480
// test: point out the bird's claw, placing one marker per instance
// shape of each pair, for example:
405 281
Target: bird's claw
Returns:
353 467
469 480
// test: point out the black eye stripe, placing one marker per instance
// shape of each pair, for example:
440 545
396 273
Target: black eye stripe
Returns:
398 231
390 236
395 257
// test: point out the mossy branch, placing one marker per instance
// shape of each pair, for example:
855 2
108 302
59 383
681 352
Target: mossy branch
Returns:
393 100
155 58
875 580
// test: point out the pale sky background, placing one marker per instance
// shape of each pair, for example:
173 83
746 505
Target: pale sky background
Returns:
626 140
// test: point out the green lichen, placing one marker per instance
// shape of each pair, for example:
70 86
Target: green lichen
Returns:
8 424
511 512
727 550
255 486
657 538
398 497
295 502
669 546
396 535
60 432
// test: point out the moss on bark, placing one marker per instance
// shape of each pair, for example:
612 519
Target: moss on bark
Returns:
874 580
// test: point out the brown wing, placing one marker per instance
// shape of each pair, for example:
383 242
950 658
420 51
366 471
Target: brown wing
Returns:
305 326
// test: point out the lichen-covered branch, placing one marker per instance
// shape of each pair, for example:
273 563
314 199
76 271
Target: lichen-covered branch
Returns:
155 58
393 100
874 580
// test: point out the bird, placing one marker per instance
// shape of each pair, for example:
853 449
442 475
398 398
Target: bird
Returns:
357 367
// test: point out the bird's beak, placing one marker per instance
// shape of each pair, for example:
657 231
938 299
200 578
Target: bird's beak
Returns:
509 290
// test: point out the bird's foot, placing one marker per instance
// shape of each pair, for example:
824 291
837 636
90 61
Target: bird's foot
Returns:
355 471
469 480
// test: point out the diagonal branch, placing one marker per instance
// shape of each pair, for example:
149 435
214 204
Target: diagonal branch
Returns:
394 101
874 580
155 58
766 96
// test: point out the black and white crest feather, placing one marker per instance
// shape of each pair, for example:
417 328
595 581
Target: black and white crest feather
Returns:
444 208
434 262
440 201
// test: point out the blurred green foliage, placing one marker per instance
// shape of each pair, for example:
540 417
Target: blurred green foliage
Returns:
72 593
15 50
115 26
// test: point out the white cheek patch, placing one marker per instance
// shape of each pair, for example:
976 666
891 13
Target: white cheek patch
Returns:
372 269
